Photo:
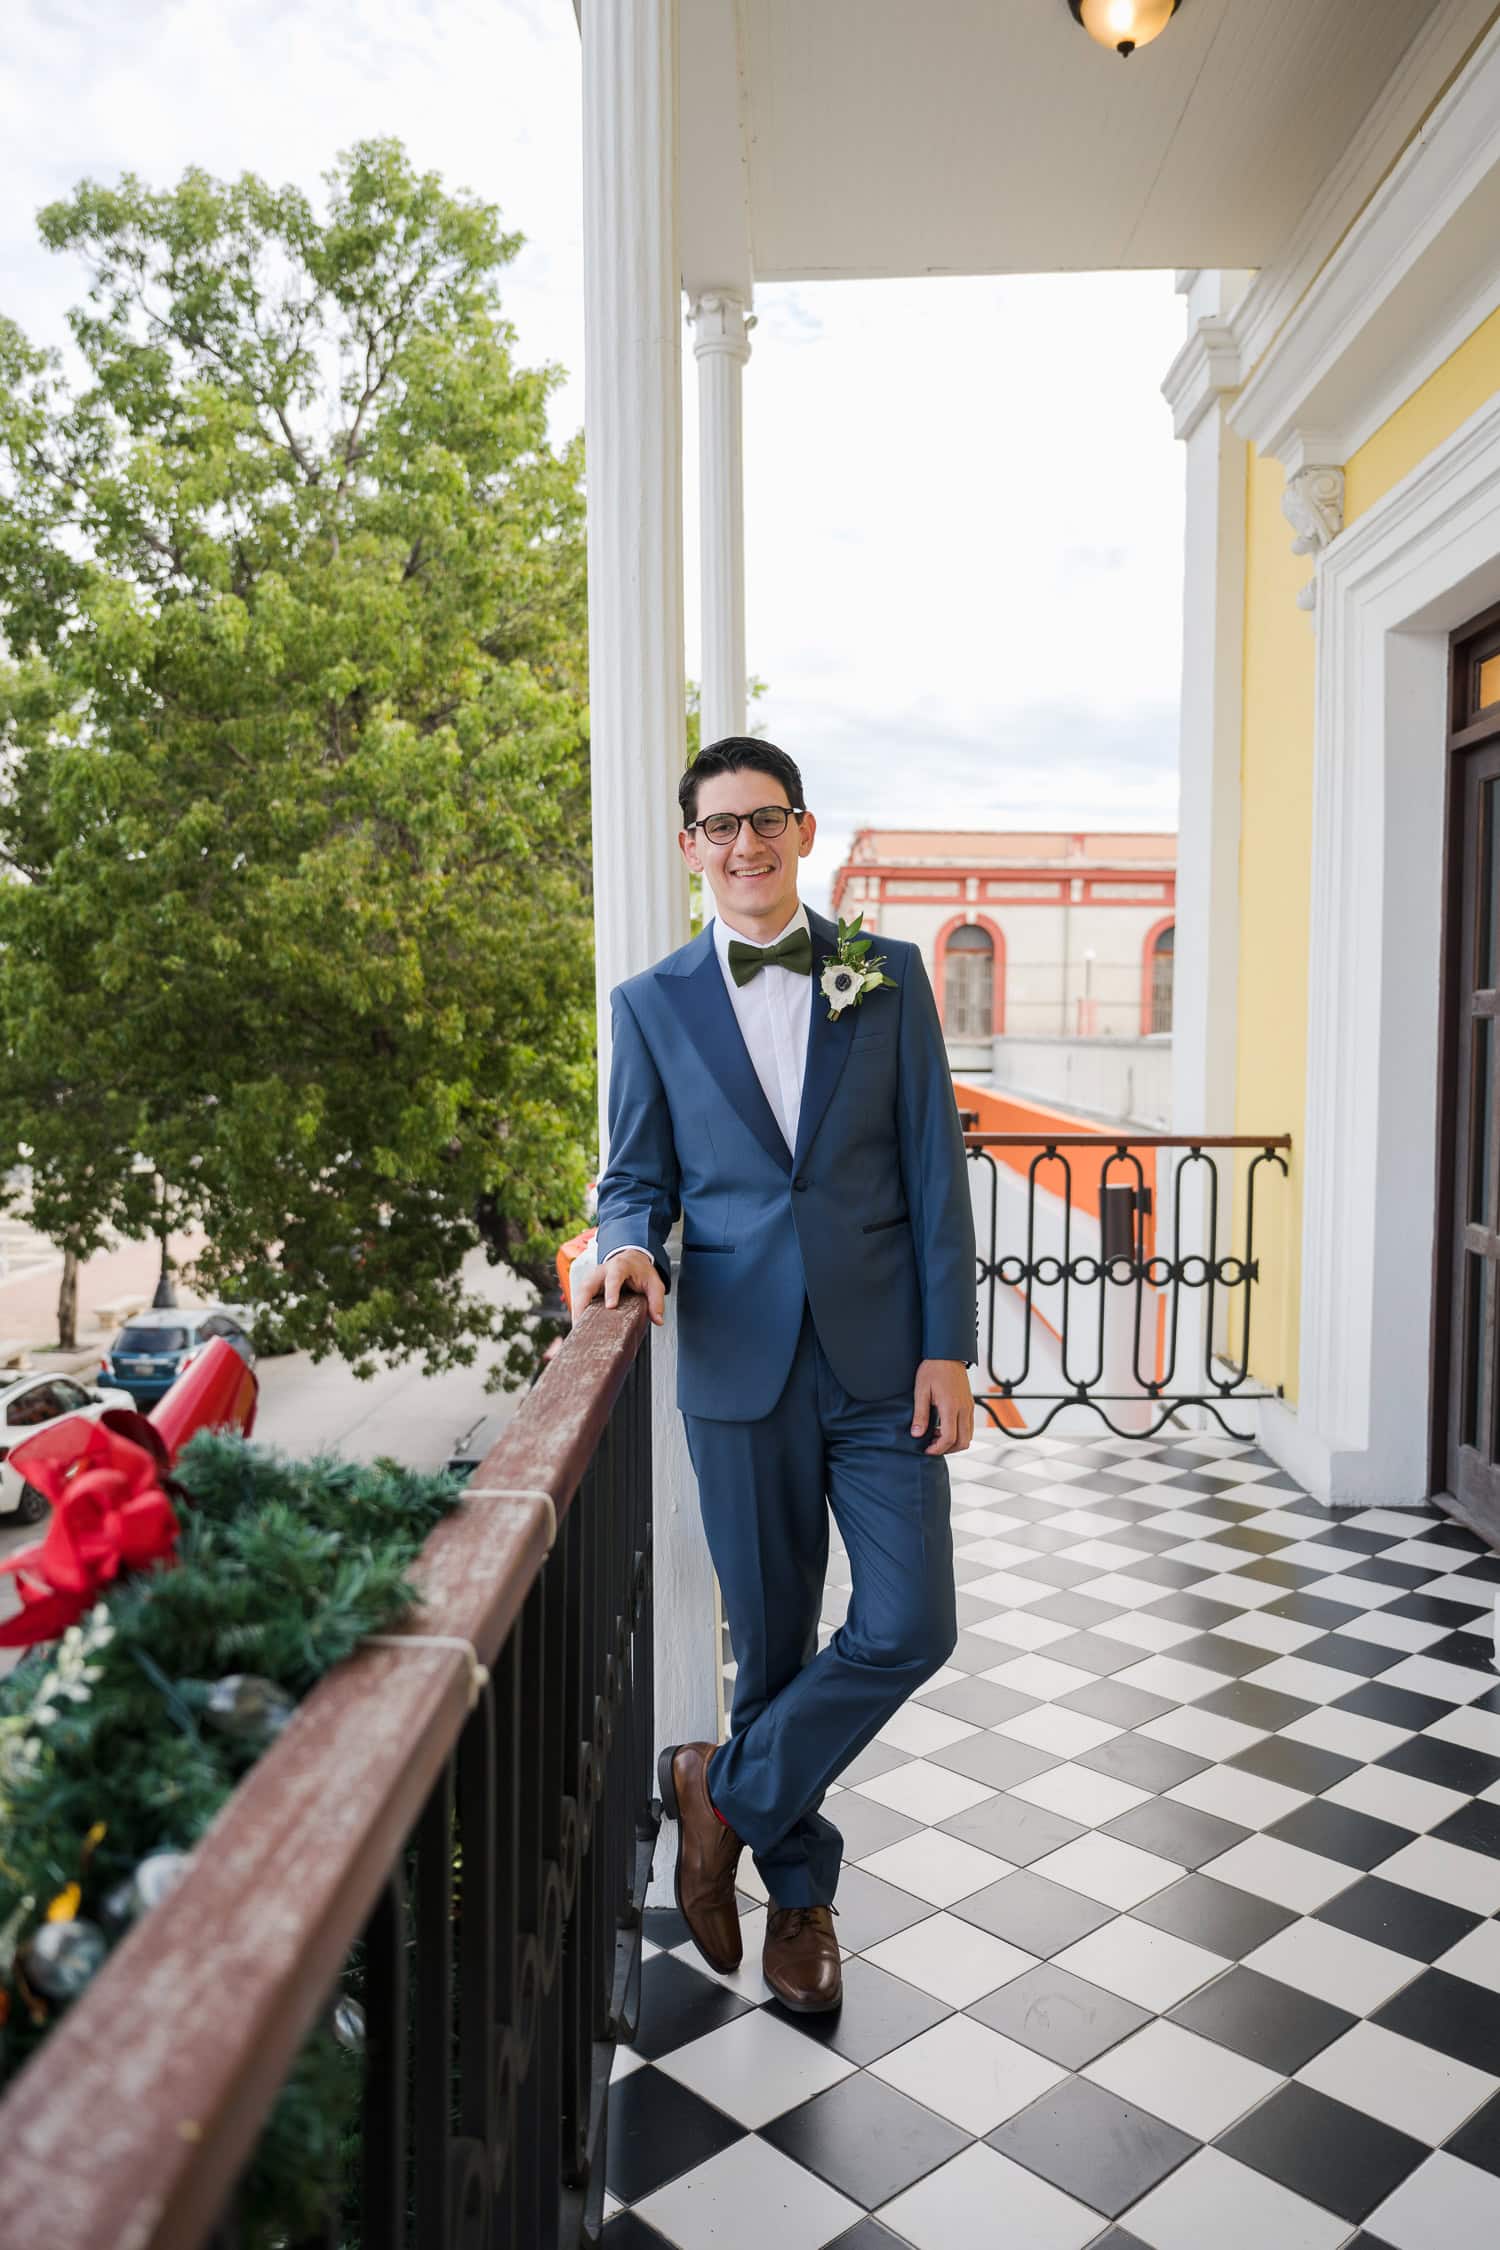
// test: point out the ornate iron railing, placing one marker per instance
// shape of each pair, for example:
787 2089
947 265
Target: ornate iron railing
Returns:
488 1838
1117 1274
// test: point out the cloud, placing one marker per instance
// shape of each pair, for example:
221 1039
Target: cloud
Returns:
1050 765
785 316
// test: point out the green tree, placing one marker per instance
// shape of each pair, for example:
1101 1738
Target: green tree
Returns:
293 755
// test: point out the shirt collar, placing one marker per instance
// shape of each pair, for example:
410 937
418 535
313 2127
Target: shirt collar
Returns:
723 933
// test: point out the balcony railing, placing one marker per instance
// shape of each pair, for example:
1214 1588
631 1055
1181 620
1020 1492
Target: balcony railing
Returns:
471 1798
1117 1274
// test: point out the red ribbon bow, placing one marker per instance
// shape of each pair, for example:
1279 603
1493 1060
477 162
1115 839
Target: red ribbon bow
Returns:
109 1512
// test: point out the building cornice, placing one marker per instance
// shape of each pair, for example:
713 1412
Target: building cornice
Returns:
1412 275
1438 54
1372 296
1223 354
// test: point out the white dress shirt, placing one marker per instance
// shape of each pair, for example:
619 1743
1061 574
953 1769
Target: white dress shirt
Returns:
774 1013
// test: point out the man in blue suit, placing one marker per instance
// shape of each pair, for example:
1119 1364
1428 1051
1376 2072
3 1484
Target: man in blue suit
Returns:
802 1120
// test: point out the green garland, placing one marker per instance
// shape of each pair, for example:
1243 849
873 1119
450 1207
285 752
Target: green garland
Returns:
284 1568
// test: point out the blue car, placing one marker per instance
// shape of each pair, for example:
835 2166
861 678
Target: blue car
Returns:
153 1348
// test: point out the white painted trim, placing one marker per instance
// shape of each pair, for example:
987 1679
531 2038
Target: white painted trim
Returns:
1206 900
1416 271
1436 52
1392 588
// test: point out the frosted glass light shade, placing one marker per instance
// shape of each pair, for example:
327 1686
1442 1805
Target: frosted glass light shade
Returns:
1124 24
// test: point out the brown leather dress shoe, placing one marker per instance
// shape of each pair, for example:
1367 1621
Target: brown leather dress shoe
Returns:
708 1852
801 1959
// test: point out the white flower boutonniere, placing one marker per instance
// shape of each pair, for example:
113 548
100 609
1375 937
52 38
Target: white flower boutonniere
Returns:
850 973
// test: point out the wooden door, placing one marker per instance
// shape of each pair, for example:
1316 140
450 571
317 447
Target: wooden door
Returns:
1469 1438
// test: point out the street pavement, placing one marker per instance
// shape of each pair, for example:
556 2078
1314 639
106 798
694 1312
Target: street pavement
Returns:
400 1413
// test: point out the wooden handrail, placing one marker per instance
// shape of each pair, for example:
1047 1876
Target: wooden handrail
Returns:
128 2128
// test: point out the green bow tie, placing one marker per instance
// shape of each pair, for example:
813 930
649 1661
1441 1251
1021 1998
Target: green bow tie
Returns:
794 951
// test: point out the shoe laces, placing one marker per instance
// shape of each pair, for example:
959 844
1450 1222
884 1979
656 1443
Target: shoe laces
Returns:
789 1920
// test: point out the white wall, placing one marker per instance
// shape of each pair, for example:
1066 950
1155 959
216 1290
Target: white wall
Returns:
1046 948
1128 1081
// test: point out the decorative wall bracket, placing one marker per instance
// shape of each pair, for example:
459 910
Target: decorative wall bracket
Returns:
1313 504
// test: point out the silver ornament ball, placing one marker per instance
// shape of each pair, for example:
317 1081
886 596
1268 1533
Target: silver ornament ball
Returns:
62 1957
349 2024
248 1708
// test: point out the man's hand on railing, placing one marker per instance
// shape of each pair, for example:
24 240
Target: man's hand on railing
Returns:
627 1269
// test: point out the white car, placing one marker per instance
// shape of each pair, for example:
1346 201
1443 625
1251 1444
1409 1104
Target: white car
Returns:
27 1404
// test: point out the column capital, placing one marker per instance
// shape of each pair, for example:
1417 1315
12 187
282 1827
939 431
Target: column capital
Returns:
721 323
1205 370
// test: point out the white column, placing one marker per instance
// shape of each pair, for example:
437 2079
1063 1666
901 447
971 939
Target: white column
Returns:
1206 968
1198 388
721 345
633 432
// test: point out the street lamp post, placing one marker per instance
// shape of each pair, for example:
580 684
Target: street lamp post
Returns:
165 1299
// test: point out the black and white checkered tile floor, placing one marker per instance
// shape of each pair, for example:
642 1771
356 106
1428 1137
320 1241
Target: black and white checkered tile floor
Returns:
1170 1911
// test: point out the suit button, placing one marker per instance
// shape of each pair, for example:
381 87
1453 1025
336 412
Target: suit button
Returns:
799 1182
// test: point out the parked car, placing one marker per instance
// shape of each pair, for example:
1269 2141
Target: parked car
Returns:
27 1404
154 1347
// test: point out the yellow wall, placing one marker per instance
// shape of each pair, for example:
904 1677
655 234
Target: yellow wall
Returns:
1275 856
1276 802
1445 401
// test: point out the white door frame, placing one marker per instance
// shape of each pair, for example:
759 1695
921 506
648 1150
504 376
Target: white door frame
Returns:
1419 564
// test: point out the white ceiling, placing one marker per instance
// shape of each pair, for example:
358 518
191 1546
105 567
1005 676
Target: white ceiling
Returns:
825 138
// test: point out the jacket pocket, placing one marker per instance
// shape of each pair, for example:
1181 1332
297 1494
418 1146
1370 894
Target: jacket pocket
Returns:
719 1249
879 1226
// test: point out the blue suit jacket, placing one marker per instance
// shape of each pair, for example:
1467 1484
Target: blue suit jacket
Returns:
869 1217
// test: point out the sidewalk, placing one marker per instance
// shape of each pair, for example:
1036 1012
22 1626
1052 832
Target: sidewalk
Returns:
28 1298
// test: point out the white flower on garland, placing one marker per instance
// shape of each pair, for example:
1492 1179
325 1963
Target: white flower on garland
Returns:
70 1680
849 975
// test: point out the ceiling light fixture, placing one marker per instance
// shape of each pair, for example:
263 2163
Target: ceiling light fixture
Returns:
1124 24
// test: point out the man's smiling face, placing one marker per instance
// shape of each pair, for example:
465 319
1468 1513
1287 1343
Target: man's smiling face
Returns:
754 879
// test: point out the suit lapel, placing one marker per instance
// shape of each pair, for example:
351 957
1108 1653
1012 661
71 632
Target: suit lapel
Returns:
698 989
827 1041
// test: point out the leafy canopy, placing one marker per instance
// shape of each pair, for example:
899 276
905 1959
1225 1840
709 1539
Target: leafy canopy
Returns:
293 754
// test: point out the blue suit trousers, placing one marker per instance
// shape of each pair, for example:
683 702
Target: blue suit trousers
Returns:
801 1713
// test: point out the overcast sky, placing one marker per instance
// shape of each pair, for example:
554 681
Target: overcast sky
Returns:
963 497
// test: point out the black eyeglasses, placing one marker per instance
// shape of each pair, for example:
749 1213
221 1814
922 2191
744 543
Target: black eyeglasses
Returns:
766 820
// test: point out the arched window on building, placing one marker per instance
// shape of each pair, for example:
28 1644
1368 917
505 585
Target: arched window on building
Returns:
1162 957
969 983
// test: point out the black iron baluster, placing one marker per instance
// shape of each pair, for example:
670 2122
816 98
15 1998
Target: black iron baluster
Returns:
384 2185
533 2181
432 2096
500 2130
470 2180
577 1952
1180 1174
1209 1279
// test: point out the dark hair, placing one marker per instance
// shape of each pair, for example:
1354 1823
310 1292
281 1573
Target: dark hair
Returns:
738 753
